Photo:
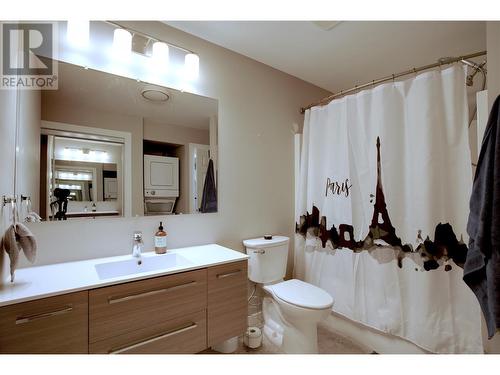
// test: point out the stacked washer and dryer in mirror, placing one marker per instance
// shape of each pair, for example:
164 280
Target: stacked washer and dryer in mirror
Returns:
161 184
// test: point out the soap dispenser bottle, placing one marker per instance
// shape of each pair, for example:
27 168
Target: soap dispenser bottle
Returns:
160 240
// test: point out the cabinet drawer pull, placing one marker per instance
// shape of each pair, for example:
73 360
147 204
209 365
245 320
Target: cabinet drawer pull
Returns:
112 300
170 333
32 318
229 274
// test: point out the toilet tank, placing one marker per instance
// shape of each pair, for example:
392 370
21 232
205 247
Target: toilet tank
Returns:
267 262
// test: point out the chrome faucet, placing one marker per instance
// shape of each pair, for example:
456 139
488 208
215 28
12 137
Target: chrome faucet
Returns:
138 245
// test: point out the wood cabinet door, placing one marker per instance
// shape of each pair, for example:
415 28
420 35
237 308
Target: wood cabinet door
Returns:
124 308
183 335
48 325
227 301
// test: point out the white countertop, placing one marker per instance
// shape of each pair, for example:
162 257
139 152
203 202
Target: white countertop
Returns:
50 280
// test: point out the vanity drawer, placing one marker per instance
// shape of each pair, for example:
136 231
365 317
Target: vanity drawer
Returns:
227 301
49 325
187 334
119 309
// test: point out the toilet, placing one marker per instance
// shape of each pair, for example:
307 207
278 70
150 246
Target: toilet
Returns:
291 309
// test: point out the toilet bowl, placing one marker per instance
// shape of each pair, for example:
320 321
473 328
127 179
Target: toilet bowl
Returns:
297 308
291 309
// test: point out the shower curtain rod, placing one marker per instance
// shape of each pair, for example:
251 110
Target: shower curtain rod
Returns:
441 62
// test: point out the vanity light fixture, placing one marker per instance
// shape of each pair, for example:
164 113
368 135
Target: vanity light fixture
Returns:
77 33
70 153
79 176
127 40
79 154
69 187
122 42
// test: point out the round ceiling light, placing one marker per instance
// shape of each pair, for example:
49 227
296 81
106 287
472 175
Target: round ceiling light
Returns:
155 95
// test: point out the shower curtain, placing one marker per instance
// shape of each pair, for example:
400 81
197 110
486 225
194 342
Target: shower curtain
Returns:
385 180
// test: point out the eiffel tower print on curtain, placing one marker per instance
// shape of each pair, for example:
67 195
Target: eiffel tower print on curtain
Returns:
382 233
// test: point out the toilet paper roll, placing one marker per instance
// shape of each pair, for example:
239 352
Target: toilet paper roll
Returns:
228 346
253 337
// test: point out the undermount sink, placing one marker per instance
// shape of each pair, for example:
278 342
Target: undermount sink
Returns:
140 265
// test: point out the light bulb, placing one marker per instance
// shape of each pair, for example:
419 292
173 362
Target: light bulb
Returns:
104 156
160 54
77 33
75 153
122 42
66 153
191 66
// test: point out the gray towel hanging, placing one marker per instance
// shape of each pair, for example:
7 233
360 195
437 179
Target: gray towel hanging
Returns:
209 197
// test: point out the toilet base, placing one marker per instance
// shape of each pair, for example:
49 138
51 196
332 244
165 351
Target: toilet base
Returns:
299 336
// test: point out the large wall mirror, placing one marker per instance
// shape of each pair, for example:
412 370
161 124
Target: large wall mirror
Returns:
103 145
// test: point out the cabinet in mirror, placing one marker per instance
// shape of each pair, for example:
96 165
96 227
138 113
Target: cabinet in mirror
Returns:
103 145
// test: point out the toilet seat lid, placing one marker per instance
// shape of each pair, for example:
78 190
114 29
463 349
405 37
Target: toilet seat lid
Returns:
299 293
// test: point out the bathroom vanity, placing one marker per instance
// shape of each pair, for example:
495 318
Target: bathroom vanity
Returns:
198 299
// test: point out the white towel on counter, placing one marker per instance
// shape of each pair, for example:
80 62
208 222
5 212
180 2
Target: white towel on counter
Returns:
18 238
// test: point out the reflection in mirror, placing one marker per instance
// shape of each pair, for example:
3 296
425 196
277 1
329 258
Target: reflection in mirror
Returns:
83 177
106 145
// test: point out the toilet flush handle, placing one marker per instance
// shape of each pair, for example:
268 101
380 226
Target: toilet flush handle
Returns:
260 251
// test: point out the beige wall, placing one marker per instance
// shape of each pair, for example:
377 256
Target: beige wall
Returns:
180 135
28 152
257 107
8 109
77 115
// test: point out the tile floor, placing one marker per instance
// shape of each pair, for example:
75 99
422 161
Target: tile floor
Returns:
329 342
